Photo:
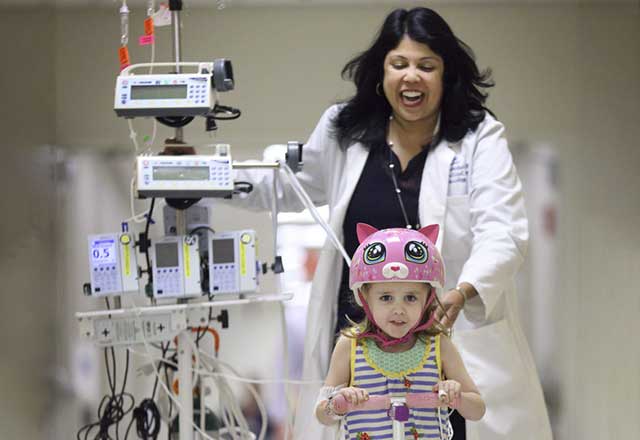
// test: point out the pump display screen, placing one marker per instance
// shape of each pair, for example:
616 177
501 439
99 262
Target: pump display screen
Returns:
180 173
223 251
172 91
103 252
167 255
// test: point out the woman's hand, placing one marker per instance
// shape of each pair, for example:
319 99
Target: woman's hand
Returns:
453 302
449 392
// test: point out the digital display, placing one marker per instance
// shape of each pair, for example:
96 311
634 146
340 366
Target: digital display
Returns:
172 91
223 251
181 173
167 255
103 252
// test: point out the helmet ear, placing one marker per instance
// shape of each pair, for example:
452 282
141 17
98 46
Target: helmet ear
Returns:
431 232
364 230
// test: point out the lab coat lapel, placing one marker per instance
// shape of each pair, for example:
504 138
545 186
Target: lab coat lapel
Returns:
356 157
433 188
327 278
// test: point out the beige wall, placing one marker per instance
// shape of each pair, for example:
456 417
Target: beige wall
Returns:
566 75
27 263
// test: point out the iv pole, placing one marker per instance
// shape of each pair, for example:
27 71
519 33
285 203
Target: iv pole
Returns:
185 352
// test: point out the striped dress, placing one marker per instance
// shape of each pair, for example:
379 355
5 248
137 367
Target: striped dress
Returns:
415 371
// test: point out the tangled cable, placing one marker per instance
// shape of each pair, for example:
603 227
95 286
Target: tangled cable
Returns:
147 419
112 408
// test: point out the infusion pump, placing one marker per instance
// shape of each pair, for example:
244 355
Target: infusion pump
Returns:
112 260
189 176
172 94
164 95
233 267
176 267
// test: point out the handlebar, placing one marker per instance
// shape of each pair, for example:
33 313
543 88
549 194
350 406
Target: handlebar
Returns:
414 400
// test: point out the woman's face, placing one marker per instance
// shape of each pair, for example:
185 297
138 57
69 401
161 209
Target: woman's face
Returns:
412 81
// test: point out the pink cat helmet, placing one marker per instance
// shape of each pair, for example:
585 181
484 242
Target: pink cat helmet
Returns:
396 255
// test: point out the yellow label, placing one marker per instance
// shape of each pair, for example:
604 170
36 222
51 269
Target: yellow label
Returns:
127 261
187 266
243 259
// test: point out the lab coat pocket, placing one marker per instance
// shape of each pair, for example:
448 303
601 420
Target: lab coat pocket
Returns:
491 356
458 210
457 244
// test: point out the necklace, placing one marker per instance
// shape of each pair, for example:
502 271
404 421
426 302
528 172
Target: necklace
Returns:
397 187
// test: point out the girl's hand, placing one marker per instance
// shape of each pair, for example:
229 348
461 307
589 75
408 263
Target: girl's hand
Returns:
354 395
449 392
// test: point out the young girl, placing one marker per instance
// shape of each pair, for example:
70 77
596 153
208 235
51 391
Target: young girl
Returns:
399 348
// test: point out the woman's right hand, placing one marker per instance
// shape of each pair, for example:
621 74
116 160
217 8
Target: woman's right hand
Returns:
453 303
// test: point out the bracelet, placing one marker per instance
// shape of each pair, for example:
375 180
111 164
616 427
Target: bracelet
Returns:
458 289
326 394
330 411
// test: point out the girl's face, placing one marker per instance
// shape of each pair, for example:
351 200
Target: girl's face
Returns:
412 81
397 307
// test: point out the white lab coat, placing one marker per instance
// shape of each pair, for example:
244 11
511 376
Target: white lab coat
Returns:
483 240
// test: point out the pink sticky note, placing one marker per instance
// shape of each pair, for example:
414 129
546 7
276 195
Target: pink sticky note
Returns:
145 40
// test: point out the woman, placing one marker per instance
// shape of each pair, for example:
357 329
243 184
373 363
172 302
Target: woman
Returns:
416 146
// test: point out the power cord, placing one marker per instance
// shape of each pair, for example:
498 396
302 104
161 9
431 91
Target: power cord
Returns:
242 187
147 419
144 243
147 416
112 408
228 113
175 121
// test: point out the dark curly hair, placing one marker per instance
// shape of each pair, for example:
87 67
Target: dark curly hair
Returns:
364 117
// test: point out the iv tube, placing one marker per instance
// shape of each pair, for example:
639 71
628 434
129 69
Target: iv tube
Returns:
124 24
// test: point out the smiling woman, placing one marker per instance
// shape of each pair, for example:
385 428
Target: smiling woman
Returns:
413 87
415 145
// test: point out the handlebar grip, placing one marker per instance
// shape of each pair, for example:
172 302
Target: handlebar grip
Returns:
414 400
342 406
423 400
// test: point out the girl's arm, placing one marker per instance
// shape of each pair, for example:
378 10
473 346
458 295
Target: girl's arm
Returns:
459 384
339 375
